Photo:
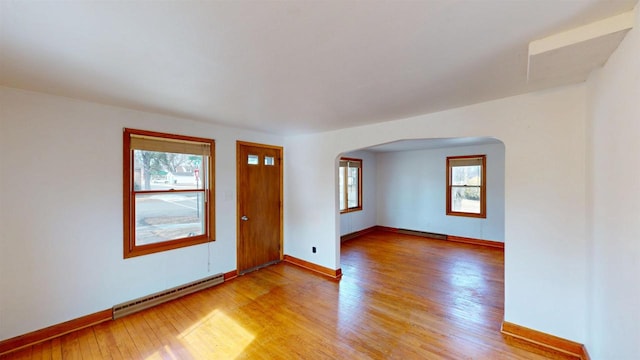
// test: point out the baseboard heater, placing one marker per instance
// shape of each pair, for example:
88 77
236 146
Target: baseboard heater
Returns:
158 298
423 234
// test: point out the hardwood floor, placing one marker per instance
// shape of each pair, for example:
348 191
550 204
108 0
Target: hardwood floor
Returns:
400 297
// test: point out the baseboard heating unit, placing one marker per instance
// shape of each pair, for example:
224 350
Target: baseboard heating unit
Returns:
158 298
423 234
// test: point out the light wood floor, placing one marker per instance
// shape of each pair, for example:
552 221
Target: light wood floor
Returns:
401 297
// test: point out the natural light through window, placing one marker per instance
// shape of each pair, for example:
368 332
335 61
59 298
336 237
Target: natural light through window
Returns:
466 185
169 198
216 336
350 184
168 183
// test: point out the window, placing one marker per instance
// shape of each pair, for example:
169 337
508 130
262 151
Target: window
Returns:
466 186
168 191
350 184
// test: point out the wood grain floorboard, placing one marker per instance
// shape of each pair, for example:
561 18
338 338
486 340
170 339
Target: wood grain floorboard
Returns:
400 297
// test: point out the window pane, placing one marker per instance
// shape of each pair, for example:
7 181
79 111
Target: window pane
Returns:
341 188
352 187
269 161
465 199
466 175
154 170
253 159
168 216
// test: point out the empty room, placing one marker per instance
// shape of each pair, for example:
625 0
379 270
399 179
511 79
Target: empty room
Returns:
332 179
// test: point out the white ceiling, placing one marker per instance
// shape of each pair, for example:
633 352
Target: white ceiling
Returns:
284 67
421 144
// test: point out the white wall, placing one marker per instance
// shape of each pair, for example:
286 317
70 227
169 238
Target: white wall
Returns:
614 197
544 137
366 218
61 208
61 220
4 244
411 192
61 227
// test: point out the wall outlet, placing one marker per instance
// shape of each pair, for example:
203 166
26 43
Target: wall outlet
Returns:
313 249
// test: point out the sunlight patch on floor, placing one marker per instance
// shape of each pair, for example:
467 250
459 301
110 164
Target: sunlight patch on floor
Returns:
216 336
165 353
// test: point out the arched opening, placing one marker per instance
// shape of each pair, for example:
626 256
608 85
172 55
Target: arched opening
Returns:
403 186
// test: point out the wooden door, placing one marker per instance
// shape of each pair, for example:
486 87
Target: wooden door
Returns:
259 217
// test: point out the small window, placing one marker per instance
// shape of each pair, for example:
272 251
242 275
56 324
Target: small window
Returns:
168 187
269 161
253 160
466 186
350 184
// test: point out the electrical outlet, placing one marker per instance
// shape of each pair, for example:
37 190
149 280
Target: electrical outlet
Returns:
313 249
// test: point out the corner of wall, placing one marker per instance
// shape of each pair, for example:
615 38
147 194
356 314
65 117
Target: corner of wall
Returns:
612 112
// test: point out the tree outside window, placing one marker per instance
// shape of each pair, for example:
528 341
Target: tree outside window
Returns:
168 189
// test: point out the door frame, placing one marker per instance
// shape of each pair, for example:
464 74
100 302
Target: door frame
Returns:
239 163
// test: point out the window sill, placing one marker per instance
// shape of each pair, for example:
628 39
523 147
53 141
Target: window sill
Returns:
350 210
464 214
165 246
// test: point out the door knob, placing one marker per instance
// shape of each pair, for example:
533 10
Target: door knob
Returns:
244 218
